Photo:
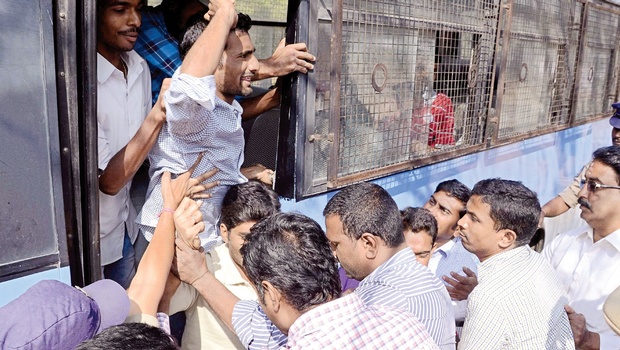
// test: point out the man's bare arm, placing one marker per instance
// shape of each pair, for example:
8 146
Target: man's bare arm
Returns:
284 60
205 55
124 164
257 105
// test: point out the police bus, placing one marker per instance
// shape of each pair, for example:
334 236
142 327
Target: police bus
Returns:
404 93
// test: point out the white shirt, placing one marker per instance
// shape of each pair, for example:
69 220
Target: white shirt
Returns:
122 106
203 328
197 121
590 272
517 304
452 256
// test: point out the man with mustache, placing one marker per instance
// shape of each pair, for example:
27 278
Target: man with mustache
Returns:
126 131
587 259
567 199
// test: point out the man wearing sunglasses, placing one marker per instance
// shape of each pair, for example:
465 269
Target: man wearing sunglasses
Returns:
587 259
567 199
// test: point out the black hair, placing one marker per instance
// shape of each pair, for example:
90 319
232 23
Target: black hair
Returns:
250 201
134 336
419 219
609 156
513 207
456 189
172 11
367 207
291 251
244 23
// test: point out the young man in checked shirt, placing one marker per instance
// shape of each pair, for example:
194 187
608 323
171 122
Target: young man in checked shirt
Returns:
519 300
203 117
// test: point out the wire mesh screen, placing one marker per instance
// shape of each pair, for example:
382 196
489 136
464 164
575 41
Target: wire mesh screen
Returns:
597 88
264 10
420 80
414 80
538 73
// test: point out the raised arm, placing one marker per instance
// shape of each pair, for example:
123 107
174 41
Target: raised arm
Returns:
206 53
147 287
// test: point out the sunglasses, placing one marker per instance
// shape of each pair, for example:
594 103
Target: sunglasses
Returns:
595 186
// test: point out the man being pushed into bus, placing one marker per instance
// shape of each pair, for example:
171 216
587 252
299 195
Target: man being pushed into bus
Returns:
202 115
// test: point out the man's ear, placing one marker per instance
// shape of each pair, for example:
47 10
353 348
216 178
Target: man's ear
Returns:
272 295
224 233
508 238
370 243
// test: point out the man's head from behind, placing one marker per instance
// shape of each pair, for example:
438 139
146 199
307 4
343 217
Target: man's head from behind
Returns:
364 228
135 336
600 195
447 205
287 258
501 215
178 14
420 231
118 23
238 64
243 206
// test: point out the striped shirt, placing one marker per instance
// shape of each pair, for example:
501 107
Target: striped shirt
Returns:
349 323
197 121
401 282
452 257
254 328
404 283
517 304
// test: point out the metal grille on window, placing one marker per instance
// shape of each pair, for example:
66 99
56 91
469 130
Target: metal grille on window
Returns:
538 74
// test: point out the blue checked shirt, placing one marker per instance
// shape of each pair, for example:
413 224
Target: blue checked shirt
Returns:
401 282
197 121
158 48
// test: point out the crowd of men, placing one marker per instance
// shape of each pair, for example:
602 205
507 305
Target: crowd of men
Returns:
456 272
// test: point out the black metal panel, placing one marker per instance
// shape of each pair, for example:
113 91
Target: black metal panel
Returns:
87 95
286 169
30 171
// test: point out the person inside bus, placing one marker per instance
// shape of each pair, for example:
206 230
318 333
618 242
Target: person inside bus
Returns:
379 263
447 204
567 199
519 301
127 129
588 257
163 28
202 114
243 206
420 231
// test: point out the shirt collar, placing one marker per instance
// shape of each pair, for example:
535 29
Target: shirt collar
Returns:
497 259
134 67
404 255
228 273
446 248
613 238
